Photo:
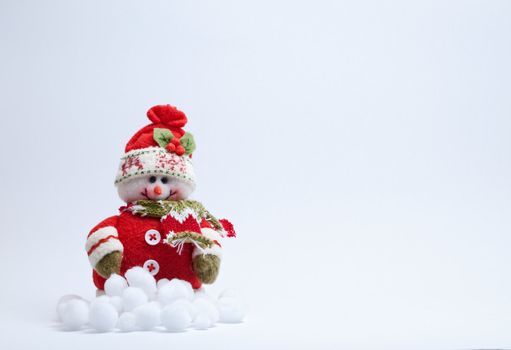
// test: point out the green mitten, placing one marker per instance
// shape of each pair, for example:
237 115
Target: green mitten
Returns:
109 264
206 267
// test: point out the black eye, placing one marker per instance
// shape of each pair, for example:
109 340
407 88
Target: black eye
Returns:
152 179
164 180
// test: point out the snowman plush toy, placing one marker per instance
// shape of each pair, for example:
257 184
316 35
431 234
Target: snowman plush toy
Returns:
159 228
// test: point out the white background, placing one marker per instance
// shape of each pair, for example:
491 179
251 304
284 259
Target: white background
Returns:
361 149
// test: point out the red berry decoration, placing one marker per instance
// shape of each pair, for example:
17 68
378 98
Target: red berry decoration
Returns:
171 147
175 141
180 150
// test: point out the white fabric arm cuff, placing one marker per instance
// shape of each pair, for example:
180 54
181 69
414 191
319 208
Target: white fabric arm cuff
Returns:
102 242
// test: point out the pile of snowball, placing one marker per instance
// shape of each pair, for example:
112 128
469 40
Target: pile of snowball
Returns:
138 303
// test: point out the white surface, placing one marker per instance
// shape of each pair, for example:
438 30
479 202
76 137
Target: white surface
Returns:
361 149
231 310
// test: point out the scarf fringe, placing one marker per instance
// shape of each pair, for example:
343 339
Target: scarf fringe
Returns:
178 240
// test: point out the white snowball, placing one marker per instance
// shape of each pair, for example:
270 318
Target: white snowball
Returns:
205 306
188 305
116 302
101 299
175 290
63 302
115 284
133 297
141 278
142 304
229 293
147 316
162 282
103 316
175 318
156 304
184 284
201 293
74 314
231 310
127 322
69 297
202 321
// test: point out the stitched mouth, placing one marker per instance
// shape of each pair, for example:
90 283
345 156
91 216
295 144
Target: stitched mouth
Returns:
171 194
144 193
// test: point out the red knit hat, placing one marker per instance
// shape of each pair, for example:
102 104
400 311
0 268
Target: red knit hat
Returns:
162 147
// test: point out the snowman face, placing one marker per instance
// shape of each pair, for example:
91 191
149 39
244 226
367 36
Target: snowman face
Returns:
153 187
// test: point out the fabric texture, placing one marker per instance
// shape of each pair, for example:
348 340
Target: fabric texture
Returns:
206 267
157 161
102 240
162 117
171 239
160 209
109 264
136 229
162 147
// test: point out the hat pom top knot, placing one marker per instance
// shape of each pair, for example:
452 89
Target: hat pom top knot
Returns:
163 117
167 115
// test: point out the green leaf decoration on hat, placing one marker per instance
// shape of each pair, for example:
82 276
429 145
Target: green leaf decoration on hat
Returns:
162 136
188 143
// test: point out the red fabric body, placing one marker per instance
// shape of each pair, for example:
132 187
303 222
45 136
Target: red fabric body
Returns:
111 221
132 230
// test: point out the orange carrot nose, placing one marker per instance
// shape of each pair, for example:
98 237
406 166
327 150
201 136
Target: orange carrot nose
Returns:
157 190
